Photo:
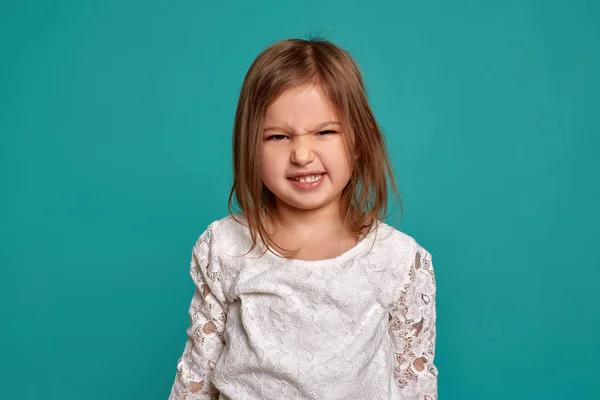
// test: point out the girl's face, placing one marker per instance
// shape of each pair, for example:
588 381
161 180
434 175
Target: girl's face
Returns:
304 162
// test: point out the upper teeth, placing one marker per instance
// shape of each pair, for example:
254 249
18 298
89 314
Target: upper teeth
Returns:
308 178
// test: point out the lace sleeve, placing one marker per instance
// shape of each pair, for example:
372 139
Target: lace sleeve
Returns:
413 334
208 313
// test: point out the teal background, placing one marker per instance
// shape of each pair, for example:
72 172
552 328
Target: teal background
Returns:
115 121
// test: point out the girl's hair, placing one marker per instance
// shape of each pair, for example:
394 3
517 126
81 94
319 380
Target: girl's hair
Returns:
294 62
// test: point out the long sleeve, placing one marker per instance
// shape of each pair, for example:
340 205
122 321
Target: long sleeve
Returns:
208 313
413 333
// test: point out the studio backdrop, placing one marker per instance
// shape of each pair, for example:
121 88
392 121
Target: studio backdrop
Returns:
115 154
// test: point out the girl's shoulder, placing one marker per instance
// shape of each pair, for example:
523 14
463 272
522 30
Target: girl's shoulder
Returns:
389 238
227 234
394 258
232 224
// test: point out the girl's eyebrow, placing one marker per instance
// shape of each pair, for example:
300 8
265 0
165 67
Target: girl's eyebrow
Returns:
316 128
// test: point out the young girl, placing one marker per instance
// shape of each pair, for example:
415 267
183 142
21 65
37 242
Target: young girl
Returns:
307 293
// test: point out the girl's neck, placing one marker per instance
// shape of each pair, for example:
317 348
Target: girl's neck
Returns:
324 219
310 234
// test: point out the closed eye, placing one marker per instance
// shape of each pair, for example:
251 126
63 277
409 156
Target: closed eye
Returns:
277 137
324 133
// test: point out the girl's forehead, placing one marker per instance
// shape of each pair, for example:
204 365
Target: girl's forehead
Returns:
304 105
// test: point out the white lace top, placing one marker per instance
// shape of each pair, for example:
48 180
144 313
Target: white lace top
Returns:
358 326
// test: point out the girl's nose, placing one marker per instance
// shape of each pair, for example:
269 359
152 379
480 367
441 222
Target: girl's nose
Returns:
302 154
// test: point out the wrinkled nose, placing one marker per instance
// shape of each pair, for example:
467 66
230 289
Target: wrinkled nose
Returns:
302 154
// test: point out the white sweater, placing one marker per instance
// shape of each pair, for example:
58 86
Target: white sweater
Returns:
359 326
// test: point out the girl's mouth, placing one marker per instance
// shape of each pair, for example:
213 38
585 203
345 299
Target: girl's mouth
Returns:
308 178
307 182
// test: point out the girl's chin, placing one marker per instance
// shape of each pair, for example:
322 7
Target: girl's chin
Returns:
307 205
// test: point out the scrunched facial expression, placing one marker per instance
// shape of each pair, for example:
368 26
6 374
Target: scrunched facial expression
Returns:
304 158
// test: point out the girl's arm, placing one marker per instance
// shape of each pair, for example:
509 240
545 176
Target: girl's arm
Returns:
208 313
413 334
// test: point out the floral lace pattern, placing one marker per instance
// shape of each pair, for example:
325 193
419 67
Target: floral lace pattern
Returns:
358 326
206 331
412 330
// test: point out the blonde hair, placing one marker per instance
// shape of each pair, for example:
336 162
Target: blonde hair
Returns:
291 63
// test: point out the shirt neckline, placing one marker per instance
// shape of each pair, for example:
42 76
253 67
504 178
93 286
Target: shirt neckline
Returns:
273 254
